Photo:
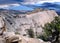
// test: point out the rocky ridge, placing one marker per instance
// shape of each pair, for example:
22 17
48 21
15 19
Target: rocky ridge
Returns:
12 22
20 22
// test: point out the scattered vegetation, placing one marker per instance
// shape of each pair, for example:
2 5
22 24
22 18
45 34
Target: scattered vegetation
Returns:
30 33
43 37
17 33
52 30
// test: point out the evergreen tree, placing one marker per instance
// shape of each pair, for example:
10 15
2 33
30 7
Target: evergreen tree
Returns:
52 30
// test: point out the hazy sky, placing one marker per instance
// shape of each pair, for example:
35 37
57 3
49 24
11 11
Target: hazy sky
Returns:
9 3
30 1
17 1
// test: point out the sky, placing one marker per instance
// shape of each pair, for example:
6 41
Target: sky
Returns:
5 2
16 4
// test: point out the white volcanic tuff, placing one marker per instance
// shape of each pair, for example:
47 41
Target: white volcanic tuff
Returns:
21 39
24 23
8 21
43 17
21 22
9 37
1 22
34 21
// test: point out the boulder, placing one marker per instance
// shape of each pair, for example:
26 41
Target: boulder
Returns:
13 38
2 40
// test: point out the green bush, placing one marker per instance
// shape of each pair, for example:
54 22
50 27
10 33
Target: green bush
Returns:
53 29
43 37
30 33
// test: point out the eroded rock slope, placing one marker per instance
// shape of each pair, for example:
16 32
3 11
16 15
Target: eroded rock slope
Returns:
20 21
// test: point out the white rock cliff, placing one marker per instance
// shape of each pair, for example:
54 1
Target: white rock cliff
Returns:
12 23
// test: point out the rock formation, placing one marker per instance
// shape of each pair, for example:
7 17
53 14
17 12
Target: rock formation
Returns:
33 20
20 22
13 23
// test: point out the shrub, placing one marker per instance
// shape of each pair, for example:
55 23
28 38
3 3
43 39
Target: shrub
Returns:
30 33
53 29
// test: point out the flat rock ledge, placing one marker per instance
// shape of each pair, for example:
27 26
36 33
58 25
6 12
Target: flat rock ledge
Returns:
9 37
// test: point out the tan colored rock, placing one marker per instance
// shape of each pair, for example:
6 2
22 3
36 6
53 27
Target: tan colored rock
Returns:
34 20
21 22
1 22
2 25
2 40
22 39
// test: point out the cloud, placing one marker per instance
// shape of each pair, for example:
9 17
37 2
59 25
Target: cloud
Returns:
2 6
2 2
18 1
9 5
10 1
38 1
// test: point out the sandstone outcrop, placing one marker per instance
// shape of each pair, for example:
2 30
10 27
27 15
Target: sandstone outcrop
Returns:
13 38
12 23
19 22
34 21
